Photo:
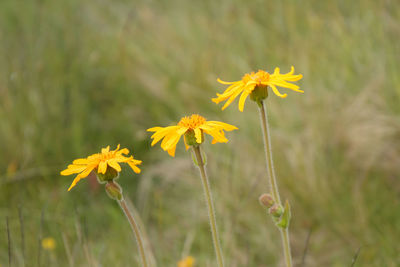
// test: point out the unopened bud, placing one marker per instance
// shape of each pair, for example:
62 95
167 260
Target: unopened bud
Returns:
114 191
267 200
276 210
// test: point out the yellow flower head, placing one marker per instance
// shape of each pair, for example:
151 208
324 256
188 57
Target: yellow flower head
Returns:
186 262
48 243
193 129
101 162
253 82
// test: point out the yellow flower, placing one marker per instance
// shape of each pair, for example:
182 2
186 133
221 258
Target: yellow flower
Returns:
187 262
48 243
193 129
259 80
100 162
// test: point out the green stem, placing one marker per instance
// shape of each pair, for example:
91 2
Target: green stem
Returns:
272 179
211 212
135 230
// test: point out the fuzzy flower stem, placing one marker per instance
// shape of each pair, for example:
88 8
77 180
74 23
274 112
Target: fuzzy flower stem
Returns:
211 211
135 230
272 178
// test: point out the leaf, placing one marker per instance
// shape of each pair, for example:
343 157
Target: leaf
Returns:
285 219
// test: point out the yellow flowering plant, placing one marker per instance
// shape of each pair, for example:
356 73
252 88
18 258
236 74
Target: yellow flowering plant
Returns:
257 85
193 129
106 165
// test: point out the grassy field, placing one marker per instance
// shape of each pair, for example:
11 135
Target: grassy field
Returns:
76 76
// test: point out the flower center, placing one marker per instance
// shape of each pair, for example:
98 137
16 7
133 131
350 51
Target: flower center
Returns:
192 122
258 77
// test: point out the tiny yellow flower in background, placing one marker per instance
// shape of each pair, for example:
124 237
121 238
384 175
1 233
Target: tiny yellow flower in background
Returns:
187 262
48 243
257 80
101 163
193 129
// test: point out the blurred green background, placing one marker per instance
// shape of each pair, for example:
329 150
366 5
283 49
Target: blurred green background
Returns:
76 76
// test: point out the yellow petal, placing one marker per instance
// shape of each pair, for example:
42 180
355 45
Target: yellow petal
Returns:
162 133
171 151
113 164
219 137
242 99
223 82
134 167
223 125
105 150
118 146
80 161
232 97
102 167
82 175
154 129
277 92
124 151
197 134
73 169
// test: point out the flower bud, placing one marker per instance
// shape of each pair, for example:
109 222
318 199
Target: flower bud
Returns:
276 210
110 175
114 191
267 200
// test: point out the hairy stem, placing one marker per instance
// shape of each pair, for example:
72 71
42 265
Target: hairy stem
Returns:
135 230
211 211
272 179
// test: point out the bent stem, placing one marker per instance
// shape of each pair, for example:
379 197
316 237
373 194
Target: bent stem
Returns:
272 179
135 230
211 211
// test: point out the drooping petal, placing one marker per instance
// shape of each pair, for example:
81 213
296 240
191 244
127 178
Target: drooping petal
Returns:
243 98
171 151
277 92
82 175
197 134
114 164
162 133
232 97
102 167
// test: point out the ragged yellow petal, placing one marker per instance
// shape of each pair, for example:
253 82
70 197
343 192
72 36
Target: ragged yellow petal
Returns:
113 164
134 167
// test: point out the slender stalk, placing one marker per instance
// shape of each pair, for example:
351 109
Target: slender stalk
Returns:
272 179
211 211
21 224
135 230
8 242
